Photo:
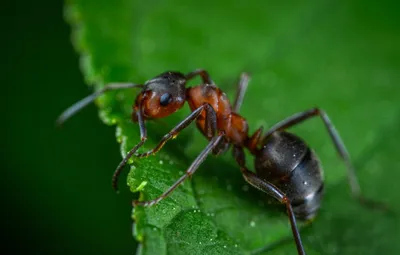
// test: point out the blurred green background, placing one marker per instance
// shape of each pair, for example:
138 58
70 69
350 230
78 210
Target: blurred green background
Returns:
57 182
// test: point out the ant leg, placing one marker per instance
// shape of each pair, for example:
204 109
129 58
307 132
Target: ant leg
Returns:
189 172
339 145
143 138
241 91
254 140
271 190
211 126
203 74
70 111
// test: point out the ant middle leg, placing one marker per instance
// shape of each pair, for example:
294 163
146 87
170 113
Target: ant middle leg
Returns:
241 91
271 190
254 140
339 145
189 172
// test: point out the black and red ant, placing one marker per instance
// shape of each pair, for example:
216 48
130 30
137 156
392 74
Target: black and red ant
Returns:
286 168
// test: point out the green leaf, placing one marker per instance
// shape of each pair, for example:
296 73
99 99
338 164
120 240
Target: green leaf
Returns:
341 56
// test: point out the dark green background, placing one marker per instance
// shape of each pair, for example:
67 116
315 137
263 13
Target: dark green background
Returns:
57 192
55 200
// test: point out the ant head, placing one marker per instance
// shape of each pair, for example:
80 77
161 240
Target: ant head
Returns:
162 95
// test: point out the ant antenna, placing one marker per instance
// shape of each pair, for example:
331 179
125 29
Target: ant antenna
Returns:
73 109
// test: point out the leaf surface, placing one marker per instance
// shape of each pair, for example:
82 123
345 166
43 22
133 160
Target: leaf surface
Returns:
340 56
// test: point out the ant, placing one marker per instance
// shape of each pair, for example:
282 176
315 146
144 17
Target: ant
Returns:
286 168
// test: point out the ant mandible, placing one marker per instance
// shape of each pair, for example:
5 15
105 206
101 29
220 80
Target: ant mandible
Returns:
286 168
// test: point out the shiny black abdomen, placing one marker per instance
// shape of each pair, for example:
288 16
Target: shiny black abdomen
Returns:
286 161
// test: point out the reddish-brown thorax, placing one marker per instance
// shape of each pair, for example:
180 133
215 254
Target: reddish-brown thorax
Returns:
235 126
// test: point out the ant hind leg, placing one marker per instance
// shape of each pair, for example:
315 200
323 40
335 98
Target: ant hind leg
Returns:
271 190
340 148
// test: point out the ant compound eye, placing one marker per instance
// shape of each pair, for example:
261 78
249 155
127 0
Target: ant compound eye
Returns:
165 99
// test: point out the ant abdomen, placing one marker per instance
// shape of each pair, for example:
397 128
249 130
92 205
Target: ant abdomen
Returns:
286 161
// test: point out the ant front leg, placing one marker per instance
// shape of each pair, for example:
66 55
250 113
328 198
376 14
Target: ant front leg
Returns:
211 127
271 190
339 145
196 163
241 90
143 138
203 74
72 110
